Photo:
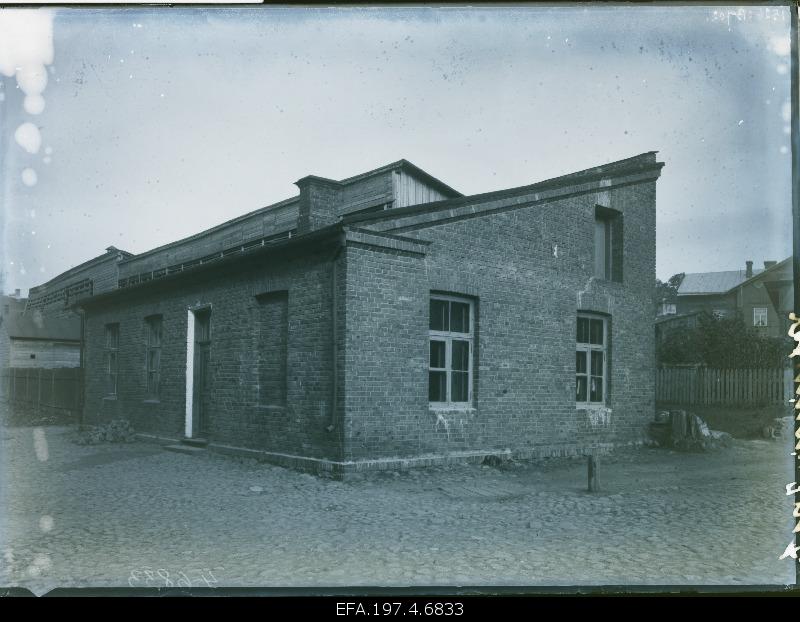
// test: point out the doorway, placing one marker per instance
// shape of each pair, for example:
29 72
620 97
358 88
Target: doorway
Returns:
198 385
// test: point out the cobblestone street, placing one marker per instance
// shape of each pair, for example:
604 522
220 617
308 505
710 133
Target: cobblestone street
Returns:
119 515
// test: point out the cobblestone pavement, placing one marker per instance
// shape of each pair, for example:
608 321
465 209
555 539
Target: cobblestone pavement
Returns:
108 515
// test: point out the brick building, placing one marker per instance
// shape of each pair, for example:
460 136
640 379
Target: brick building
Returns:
57 297
386 320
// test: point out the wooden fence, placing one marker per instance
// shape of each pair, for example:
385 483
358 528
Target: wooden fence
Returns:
702 385
41 390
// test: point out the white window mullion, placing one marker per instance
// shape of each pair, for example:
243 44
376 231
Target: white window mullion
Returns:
587 349
469 366
448 365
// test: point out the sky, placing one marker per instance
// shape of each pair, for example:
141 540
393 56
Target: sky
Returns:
135 127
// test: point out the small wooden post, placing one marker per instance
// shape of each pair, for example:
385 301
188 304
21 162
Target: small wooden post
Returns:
39 393
594 480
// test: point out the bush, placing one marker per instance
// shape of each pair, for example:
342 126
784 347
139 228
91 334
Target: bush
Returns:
724 343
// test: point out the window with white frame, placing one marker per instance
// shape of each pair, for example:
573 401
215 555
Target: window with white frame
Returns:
759 316
111 349
591 360
452 323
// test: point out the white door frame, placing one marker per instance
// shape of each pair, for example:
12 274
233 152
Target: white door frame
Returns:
189 430
189 373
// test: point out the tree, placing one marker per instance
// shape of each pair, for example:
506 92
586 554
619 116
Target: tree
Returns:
725 343
667 291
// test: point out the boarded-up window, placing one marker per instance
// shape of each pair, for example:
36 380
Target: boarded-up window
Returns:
602 248
273 323
153 355
111 360
608 240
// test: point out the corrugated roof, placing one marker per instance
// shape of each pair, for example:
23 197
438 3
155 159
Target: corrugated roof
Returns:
713 282
19 326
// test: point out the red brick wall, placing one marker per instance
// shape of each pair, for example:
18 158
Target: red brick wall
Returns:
236 418
528 269
527 300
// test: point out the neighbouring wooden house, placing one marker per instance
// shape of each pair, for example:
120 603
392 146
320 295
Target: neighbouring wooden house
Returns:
44 329
9 306
762 297
36 341
44 333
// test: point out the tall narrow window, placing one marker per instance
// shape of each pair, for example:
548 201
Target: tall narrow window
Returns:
602 248
608 244
272 348
153 356
451 347
111 360
591 368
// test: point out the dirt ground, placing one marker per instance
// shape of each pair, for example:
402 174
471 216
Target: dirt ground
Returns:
118 515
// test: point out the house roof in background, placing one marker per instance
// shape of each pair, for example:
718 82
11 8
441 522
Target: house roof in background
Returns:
757 274
698 283
14 304
713 282
20 326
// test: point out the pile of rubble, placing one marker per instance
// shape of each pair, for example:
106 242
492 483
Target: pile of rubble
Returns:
118 431
685 431
780 428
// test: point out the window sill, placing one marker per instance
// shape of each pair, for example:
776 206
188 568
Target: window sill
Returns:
608 281
151 401
592 407
451 408
110 398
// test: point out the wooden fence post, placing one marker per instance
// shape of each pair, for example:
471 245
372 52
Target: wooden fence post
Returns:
594 479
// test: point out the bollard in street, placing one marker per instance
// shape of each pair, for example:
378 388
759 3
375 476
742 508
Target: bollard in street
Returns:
594 480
